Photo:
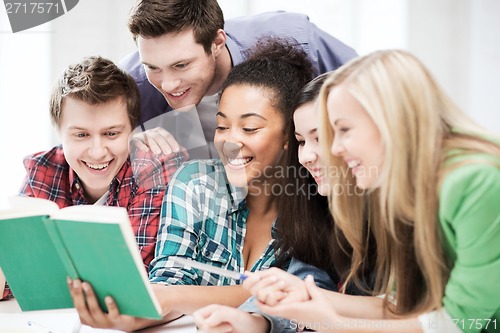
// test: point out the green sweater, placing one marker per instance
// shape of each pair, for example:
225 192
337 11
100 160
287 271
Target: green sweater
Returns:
469 215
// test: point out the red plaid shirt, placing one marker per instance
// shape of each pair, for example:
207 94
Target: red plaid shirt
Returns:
139 186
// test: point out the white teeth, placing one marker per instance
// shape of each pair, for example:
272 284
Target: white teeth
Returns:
99 166
178 94
353 164
239 161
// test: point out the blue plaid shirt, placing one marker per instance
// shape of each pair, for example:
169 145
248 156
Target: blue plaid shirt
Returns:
204 219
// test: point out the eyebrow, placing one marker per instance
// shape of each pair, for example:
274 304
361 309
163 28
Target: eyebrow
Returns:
314 130
114 127
169 65
243 116
120 126
148 64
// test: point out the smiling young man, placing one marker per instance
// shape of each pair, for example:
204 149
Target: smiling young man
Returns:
186 50
94 107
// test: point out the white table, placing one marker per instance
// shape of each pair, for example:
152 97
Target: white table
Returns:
13 320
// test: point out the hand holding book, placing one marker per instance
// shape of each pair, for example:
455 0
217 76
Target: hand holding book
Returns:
2 284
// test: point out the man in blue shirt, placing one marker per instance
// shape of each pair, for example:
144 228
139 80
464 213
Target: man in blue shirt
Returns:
186 50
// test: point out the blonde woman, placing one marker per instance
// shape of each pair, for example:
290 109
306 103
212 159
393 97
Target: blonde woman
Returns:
431 179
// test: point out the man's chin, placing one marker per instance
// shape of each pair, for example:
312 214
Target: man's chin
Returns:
185 108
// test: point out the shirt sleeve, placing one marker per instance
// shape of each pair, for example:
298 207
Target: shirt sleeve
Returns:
26 190
178 232
470 219
437 322
326 52
152 174
301 270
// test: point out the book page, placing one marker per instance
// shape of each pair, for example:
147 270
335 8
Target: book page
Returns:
27 206
92 213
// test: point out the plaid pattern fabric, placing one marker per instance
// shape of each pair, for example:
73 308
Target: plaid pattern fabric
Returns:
204 219
139 186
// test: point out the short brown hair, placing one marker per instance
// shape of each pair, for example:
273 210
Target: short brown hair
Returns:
95 80
155 18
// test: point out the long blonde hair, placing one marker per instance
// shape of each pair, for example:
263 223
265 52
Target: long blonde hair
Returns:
418 125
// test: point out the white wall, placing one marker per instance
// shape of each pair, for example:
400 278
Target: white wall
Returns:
484 63
24 80
93 27
458 39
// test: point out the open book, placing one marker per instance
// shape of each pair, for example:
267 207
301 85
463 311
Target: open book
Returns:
40 245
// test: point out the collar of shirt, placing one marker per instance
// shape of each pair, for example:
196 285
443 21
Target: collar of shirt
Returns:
237 194
235 51
77 191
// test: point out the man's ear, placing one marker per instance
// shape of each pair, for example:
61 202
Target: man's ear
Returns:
219 42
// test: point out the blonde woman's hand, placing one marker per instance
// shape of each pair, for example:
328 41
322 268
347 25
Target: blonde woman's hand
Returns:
317 313
275 286
219 318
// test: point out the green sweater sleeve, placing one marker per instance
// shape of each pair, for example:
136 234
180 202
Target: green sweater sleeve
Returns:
469 215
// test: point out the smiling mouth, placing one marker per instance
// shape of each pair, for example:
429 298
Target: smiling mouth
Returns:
239 161
317 175
97 166
353 164
178 94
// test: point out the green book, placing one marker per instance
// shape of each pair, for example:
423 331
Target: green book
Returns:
41 245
